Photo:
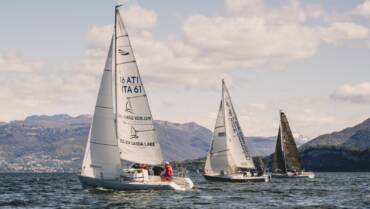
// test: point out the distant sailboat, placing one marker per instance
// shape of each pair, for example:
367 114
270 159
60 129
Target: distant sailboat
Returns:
286 161
123 131
228 158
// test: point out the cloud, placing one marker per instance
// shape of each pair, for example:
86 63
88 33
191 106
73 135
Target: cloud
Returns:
247 42
99 36
139 17
253 34
341 31
249 34
32 86
237 7
354 93
28 86
12 61
363 9
246 35
309 117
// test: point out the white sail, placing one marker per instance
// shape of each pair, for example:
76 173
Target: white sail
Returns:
234 134
101 158
219 158
137 137
228 151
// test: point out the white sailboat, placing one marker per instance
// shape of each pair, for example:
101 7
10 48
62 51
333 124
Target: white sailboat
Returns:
286 162
228 158
122 129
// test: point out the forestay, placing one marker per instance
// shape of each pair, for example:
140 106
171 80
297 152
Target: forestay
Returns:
137 137
101 158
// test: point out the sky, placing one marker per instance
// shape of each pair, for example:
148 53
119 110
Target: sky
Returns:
309 58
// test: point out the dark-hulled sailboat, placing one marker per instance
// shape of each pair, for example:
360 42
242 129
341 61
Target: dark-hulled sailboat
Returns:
286 161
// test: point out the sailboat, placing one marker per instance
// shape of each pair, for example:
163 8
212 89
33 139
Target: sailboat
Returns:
286 161
122 128
228 158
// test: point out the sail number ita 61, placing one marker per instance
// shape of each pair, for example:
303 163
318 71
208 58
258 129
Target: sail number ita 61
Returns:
131 85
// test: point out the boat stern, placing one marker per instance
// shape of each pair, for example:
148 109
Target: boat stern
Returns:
181 184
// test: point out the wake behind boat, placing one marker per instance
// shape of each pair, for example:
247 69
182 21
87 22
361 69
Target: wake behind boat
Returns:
286 161
228 158
124 132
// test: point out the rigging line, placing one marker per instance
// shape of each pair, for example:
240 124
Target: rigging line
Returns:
122 63
219 151
104 107
103 144
132 97
121 36
138 131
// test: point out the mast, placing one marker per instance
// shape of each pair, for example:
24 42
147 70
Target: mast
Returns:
115 66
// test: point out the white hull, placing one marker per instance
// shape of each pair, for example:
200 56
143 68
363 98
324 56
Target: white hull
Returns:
310 175
176 183
238 178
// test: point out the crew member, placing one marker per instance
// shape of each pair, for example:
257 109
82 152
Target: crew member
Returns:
157 170
168 171
295 172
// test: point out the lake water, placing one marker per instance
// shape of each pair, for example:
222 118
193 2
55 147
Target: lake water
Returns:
327 190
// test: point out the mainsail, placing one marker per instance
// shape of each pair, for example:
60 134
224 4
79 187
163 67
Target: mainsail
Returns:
290 150
101 158
137 137
228 151
219 158
278 161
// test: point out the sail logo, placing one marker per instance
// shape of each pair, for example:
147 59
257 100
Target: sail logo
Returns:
129 106
133 133
123 52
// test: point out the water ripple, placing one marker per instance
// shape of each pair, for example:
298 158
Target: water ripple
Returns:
328 190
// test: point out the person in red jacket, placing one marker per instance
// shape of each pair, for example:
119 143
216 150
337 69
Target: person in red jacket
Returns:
168 171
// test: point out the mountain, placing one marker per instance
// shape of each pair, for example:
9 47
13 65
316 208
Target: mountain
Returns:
361 139
44 143
53 143
182 141
345 150
263 146
56 143
356 136
336 159
260 146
